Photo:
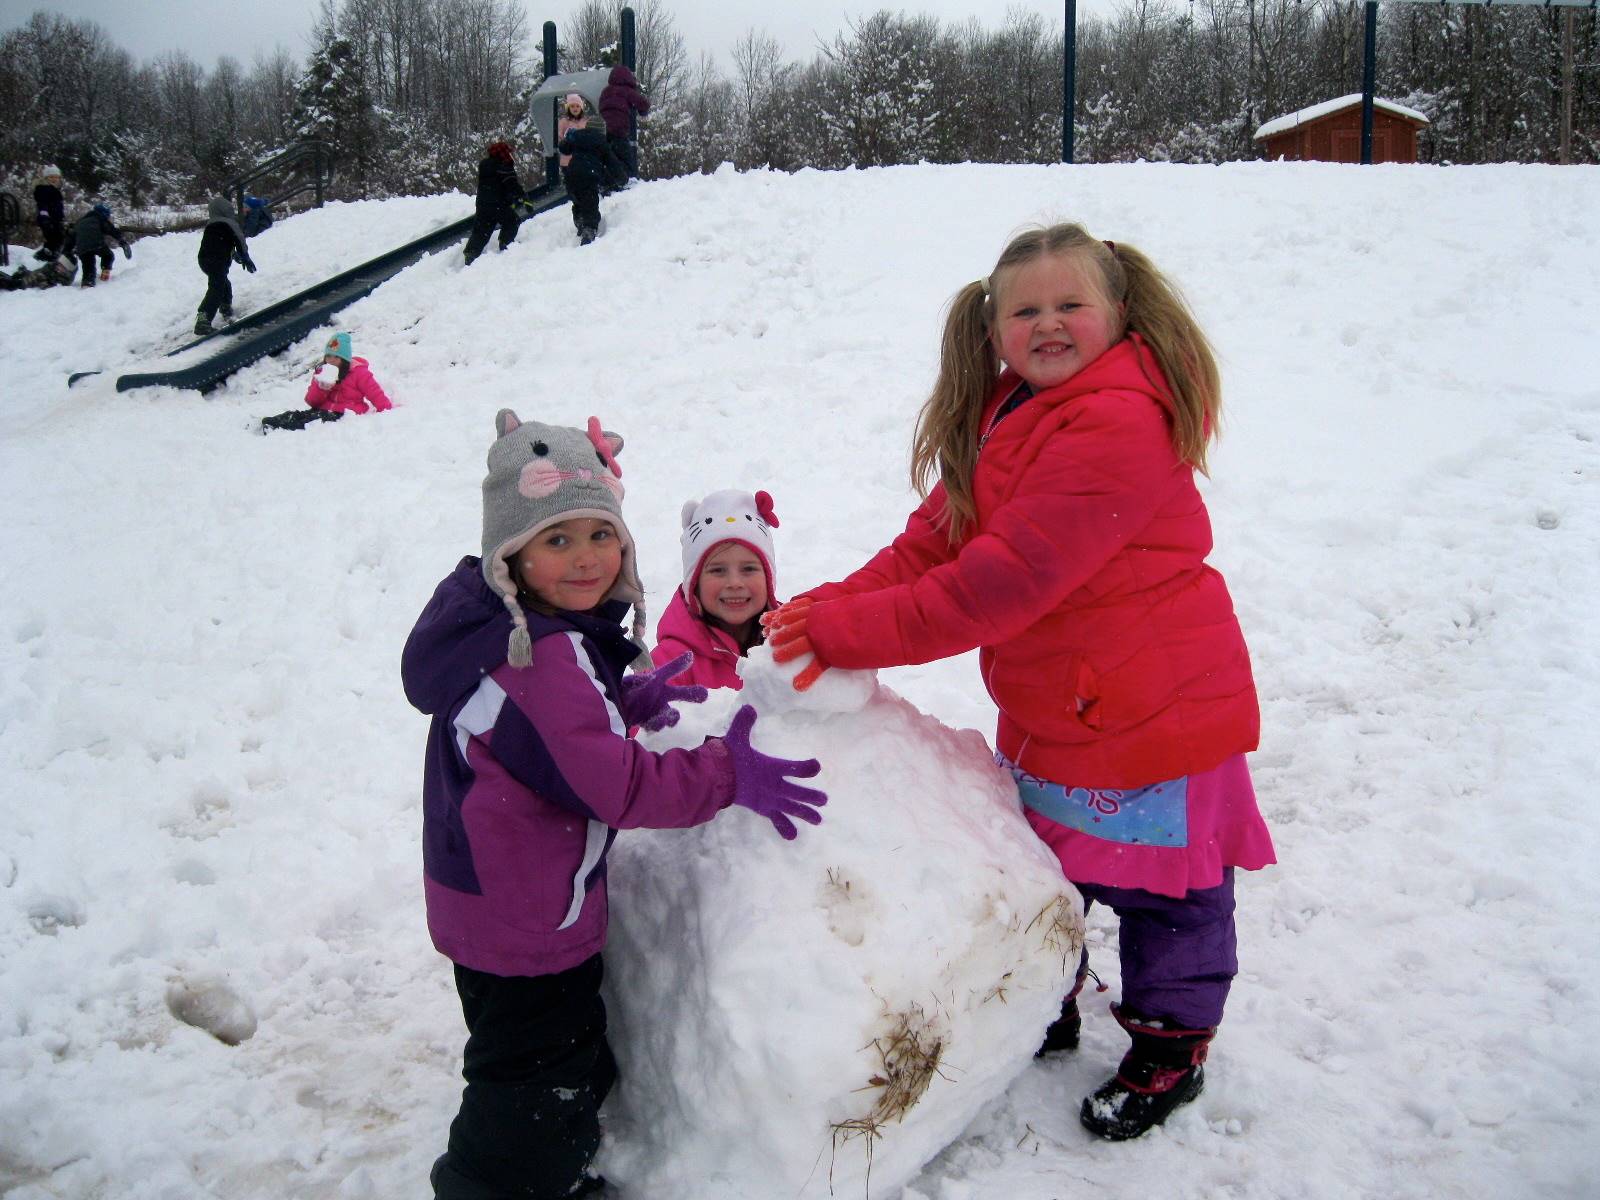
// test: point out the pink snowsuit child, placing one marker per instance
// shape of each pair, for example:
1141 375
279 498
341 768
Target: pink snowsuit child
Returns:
574 114
340 384
728 582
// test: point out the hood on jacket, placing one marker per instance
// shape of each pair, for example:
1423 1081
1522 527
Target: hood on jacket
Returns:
220 210
622 77
461 636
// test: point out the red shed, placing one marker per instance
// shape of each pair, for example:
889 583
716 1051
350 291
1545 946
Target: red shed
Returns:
1331 132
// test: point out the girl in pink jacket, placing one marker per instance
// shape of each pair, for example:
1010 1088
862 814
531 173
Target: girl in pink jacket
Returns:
574 113
728 582
341 383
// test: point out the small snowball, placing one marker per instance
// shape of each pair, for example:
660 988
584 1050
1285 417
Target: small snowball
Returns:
213 1007
327 375
768 685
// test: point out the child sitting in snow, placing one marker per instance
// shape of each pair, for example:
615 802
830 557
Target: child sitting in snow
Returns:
728 583
519 660
339 384
1066 540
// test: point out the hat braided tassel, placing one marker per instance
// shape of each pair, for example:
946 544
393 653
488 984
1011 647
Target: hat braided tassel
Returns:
519 649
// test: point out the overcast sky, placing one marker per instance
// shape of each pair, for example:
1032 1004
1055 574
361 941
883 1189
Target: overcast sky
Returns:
207 29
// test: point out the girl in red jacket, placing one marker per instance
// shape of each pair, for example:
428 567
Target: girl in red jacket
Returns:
727 585
1066 540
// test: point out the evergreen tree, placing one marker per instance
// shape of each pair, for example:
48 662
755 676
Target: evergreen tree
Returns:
333 105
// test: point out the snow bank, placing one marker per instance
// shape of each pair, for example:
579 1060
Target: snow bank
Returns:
208 772
789 1015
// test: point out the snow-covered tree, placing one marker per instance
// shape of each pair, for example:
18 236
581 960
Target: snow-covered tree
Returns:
885 107
335 106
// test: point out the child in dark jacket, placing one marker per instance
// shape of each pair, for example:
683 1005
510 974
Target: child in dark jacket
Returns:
529 773
728 582
90 236
499 190
590 166
221 245
257 216
49 212
620 99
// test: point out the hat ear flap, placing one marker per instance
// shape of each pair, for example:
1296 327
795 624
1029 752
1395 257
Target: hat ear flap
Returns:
505 421
689 509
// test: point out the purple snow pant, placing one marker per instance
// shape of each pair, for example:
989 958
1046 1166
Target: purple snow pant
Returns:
1178 956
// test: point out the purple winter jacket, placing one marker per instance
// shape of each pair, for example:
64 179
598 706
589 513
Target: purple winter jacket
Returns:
620 94
528 775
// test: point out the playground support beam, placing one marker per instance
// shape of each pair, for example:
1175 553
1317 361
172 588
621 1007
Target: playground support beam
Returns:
629 49
1369 71
1069 81
552 66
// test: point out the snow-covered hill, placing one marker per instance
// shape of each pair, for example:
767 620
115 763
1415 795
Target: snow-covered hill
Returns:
208 773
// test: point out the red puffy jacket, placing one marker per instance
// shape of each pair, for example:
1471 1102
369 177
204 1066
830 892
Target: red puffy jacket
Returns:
1109 645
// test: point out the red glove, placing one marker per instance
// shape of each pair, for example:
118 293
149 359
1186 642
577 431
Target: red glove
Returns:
786 634
785 613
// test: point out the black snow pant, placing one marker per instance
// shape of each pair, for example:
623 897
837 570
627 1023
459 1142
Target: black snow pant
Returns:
53 233
584 189
219 292
537 1067
86 261
298 418
484 224
627 152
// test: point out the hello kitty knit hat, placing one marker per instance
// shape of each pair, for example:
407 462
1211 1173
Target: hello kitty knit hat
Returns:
539 475
723 517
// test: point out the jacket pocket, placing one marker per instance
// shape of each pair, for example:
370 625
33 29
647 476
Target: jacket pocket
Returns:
1085 696
1060 699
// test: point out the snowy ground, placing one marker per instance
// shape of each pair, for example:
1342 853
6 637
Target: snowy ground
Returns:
210 774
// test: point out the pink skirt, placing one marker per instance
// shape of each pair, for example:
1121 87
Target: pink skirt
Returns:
1167 838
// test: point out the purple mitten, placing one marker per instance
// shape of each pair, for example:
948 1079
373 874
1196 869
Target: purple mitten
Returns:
647 697
759 782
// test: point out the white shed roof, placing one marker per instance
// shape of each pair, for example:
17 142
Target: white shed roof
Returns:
1280 124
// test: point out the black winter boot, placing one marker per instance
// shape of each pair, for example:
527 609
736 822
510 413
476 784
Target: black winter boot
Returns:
1063 1031
1160 1071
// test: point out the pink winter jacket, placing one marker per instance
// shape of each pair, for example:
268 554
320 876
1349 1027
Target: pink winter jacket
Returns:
353 393
716 657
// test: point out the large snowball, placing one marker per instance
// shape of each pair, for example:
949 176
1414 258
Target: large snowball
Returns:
784 1012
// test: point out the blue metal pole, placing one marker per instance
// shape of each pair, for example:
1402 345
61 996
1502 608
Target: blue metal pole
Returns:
629 48
552 66
1069 80
1369 72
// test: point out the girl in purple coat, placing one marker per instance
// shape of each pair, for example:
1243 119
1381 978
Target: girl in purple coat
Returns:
619 100
530 772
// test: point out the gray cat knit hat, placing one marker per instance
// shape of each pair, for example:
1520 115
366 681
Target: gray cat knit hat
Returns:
539 475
